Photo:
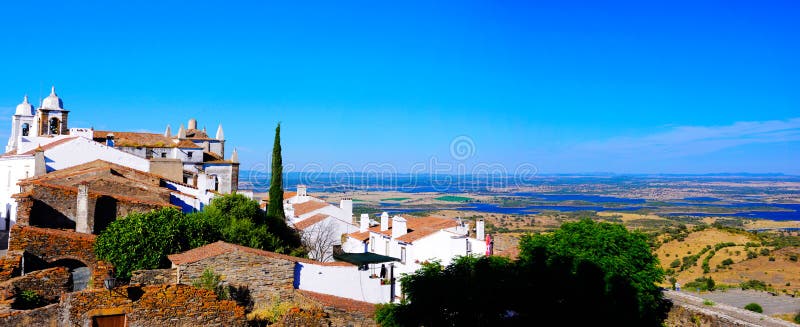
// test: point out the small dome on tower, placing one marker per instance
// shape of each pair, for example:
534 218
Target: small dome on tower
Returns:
24 108
52 101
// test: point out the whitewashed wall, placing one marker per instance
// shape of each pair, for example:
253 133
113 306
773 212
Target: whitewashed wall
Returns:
343 281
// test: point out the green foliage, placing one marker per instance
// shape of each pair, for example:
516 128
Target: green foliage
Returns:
793 257
212 282
754 284
275 208
797 318
708 302
702 284
601 268
727 262
141 241
755 307
675 264
764 251
28 299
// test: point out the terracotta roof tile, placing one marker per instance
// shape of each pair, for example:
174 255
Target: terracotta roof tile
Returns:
308 206
306 223
361 236
220 247
186 144
348 305
136 139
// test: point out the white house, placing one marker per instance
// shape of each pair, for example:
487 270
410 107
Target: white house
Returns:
320 223
415 240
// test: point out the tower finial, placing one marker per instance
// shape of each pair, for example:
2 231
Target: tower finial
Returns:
168 132
25 99
53 90
235 156
220 133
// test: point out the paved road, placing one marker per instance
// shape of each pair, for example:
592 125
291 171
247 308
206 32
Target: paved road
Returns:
730 314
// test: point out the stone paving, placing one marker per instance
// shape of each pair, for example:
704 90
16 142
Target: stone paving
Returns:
772 304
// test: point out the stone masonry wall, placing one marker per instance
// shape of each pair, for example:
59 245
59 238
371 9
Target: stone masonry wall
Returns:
46 316
51 245
10 265
155 276
267 279
153 305
49 283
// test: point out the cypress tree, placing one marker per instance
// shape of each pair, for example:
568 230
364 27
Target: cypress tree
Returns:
275 208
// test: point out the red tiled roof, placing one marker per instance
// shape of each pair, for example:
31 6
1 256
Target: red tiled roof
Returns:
220 247
305 223
186 144
308 206
348 305
136 139
417 228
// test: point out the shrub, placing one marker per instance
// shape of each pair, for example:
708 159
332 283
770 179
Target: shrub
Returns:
212 282
675 264
764 251
708 302
793 257
797 318
754 284
702 284
727 262
755 307
28 299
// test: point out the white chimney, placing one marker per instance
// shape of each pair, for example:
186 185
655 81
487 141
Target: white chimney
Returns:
364 223
398 227
384 221
347 206
479 233
301 190
203 182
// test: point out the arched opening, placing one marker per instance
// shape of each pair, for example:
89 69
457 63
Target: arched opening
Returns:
79 271
105 211
26 128
55 125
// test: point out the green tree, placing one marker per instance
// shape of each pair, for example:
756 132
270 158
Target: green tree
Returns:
141 241
606 272
275 208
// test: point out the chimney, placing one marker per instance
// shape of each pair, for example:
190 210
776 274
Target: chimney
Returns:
364 223
384 221
110 139
82 210
192 124
203 182
301 190
347 206
398 227
39 165
479 232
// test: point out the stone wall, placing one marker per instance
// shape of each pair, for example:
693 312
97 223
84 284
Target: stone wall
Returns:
10 265
51 245
266 278
153 305
155 276
46 316
49 283
685 316
341 311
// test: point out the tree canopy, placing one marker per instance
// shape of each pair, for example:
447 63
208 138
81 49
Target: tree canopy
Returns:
585 273
143 240
275 208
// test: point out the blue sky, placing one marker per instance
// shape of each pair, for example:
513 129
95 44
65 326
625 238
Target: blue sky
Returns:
561 86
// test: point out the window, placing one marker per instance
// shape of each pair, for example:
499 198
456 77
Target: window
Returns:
25 129
163 154
372 244
189 154
403 255
469 246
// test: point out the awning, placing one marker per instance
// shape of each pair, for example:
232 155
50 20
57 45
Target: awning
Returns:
363 258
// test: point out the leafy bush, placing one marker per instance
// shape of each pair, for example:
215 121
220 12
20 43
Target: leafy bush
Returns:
764 251
755 307
754 284
797 318
675 264
28 299
702 284
708 302
212 282
793 257
727 262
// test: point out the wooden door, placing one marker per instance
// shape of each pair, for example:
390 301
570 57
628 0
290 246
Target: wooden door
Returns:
109 321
